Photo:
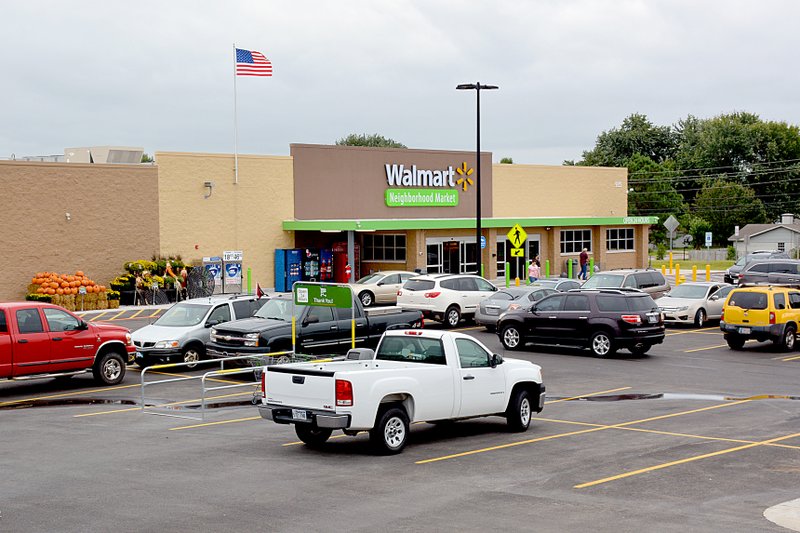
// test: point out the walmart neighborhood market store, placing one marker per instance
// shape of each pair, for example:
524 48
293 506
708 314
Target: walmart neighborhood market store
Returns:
403 209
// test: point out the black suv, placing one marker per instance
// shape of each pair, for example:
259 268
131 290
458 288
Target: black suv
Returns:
599 319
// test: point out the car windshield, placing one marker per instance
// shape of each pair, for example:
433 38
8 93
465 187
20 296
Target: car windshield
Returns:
548 283
183 314
279 309
604 280
368 279
693 292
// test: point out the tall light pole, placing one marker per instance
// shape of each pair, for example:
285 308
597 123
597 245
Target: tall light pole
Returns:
478 87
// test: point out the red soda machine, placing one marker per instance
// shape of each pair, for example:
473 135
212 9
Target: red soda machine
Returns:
340 261
326 265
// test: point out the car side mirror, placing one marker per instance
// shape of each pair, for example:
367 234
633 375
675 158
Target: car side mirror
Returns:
82 326
379 284
496 360
533 310
713 298
212 323
310 320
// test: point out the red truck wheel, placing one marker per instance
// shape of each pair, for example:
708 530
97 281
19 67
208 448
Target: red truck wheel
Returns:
109 369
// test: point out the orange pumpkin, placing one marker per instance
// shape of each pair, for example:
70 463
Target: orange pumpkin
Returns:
59 291
40 290
79 273
51 291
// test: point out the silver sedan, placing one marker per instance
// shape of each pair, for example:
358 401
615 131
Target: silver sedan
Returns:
489 311
694 302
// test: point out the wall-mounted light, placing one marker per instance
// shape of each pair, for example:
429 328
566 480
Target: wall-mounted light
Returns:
68 216
210 186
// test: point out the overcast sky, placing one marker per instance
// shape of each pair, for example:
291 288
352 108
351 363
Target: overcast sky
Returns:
160 74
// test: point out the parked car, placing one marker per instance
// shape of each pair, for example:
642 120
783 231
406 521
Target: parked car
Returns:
317 329
40 340
732 274
761 313
650 281
445 297
766 271
491 308
381 287
694 302
559 284
413 376
602 320
181 333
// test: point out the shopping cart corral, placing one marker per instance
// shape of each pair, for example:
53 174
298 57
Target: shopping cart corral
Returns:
217 390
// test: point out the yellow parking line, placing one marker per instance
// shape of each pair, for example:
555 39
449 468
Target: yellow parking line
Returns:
703 330
667 433
705 348
571 433
586 395
683 461
158 312
472 328
96 317
137 313
118 315
796 357
206 424
66 394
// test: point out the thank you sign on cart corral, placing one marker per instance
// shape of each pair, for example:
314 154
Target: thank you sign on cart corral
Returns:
323 295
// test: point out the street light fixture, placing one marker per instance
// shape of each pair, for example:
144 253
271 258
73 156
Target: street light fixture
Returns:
478 87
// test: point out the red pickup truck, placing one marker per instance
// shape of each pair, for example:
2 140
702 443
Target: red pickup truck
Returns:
39 340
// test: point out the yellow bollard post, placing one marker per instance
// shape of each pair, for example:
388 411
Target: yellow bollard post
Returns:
516 281
670 262
708 272
694 272
663 270
677 274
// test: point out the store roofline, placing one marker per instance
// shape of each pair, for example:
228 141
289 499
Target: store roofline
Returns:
457 223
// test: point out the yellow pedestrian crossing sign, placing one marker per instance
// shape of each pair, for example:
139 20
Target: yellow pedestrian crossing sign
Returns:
516 236
517 252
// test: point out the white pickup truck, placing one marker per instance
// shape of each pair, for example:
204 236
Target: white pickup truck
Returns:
414 375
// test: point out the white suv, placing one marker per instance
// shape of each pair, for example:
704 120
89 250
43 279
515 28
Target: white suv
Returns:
445 297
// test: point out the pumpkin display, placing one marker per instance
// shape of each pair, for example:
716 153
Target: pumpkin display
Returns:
63 290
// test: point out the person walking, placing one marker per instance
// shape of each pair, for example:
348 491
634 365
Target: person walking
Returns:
533 271
584 262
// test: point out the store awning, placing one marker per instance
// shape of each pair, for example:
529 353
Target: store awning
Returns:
458 223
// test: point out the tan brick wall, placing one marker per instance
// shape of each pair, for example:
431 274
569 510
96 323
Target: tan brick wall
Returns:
113 219
553 191
246 216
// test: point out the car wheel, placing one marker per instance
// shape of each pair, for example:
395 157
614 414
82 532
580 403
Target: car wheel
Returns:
109 369
490 329
700 318
366 298
511 338
602 344
390 434
735 342
452 316
640 349
788 340
192 355
311 436
519 411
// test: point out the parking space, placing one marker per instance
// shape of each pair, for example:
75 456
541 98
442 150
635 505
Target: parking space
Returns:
694 435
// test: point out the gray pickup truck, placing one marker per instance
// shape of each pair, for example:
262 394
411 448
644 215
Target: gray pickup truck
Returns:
318 329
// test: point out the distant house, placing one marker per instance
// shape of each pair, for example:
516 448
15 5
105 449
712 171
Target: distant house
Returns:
783 236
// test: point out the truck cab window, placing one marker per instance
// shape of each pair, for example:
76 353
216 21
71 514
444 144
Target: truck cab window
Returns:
29 321
323 314
3 323
471 355
58 320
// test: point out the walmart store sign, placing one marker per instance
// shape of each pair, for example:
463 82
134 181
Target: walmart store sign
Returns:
405 186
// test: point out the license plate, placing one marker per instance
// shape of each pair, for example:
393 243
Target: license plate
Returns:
652 319
744 331
299 414
137 354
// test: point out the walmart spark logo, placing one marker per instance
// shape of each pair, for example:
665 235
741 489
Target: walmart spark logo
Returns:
465 173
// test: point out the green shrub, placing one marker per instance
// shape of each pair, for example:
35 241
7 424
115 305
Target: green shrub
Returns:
731 253
661 251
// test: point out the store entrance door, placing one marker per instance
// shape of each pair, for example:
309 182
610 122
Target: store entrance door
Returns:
451 257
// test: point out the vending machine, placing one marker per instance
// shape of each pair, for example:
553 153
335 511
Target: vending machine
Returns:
288 263
213 265
326 265
310 267
340 261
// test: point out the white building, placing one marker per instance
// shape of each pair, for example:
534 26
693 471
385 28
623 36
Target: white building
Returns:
783 236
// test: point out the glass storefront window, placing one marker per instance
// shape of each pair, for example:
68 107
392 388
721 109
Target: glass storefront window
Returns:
384 247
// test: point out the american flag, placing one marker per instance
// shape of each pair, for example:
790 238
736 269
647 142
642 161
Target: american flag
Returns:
252 63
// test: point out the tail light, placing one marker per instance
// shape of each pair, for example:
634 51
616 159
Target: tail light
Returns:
632 319
722 316
344 393
771 317
513 306
263 383
432 294
399 292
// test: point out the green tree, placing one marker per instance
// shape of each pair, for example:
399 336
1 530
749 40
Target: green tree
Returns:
146 158
506 161
725 204
636 135
651 192
697 228
374 140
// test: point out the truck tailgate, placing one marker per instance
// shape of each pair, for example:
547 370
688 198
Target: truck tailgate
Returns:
308 388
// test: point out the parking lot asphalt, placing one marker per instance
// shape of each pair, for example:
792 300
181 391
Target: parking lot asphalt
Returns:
692 437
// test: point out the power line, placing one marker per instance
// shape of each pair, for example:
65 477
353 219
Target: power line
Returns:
714 168
698 177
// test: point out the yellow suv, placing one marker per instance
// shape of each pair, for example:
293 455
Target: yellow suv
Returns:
761 313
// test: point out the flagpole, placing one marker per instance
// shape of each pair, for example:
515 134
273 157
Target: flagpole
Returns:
235 125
